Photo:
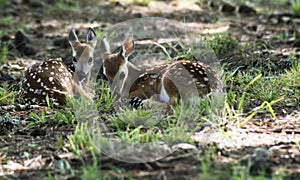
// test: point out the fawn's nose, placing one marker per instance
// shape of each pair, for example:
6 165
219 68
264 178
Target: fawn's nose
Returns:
81 75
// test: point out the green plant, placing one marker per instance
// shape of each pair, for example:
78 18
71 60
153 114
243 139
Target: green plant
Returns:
265 91
142 126
49 176
83 111
130 135
177 134
261 90
38 119
63 117
279 2
289 83
164 49
3 4
99 34
220 43
205 164
295 6
137 117
263 106
7 95
6 21
79 141
134 126
59 143
3 52
246 89
4 116
90 172
242 99
104 102
50 102
62 6
26 155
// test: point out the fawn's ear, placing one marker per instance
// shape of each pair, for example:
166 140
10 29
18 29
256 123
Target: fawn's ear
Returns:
91 37
128 46
104 45
73 40
72 36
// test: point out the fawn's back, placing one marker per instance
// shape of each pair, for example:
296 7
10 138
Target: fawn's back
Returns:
50 78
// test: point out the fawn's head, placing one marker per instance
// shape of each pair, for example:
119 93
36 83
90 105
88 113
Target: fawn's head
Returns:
83 53
116 63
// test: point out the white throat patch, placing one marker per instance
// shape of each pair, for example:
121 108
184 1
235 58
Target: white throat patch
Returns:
164 97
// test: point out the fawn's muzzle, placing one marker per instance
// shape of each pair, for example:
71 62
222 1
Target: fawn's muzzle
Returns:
81 75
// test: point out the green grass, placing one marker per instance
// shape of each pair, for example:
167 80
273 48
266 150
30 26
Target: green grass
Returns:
62 6
104 101
287 36
3 52
295 7
6 21
135 118
99 34
7 95
91 172
220 43
248 94
84 113
58 117
139 125
3 117
37 119
63 117
289 82
79 142
133 126
274 2
3 4
150 125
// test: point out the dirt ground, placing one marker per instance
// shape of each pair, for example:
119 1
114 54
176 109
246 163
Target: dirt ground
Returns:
272 145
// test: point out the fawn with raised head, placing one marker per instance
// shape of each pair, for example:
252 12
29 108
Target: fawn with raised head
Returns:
181 79
55 79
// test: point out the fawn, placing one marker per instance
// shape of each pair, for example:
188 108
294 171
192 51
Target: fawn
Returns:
55 79
165 83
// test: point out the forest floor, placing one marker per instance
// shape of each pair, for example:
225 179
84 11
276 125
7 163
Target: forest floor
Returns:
263 146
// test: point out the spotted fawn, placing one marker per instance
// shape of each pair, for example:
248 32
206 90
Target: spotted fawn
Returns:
164 83
55 79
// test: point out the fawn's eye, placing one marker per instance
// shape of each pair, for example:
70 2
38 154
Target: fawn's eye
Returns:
90 60
74 59
121 76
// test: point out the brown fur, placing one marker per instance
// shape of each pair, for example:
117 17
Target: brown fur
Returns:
53 78
183 77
